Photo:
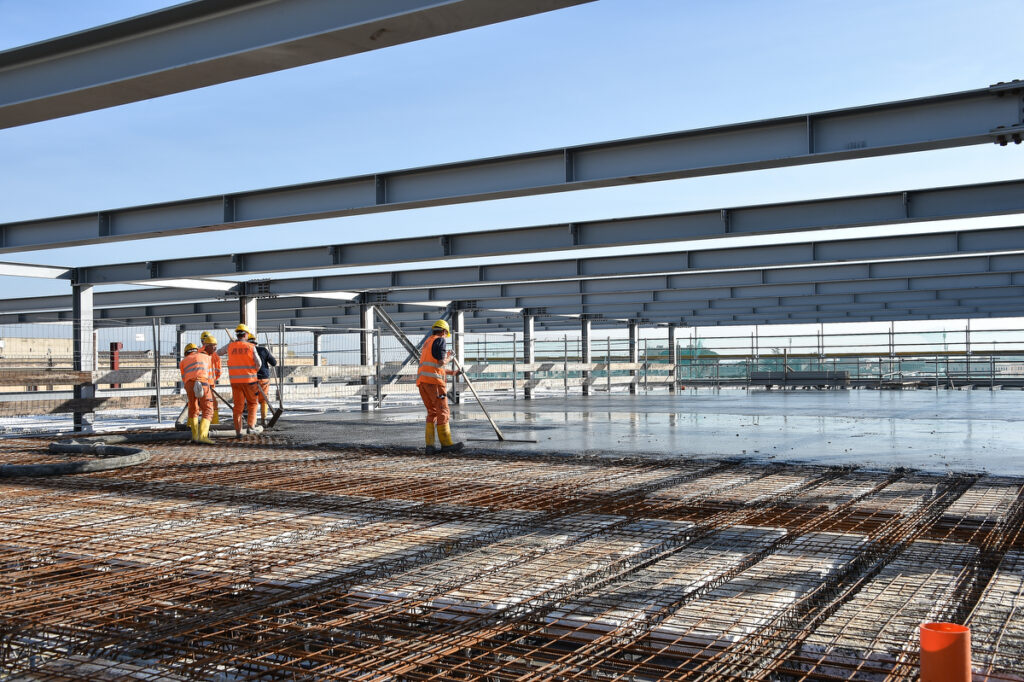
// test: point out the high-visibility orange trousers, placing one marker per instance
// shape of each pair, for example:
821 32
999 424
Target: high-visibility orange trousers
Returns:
203 407
435 399
244 397
265 385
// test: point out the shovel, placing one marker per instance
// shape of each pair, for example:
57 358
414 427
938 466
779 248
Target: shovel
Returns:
277 412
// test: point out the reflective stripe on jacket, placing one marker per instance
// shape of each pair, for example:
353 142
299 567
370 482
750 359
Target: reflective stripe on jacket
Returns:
195 367
215 362
242 362
431 369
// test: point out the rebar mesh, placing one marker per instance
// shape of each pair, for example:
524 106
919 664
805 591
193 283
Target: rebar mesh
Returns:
275 561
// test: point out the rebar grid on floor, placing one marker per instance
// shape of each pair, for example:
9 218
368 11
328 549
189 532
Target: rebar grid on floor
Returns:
275 562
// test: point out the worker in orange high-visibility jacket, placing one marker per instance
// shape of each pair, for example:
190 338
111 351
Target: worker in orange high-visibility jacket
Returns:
210 348
243 363
430 379
196 370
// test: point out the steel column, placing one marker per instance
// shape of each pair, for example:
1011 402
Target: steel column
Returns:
585 354
84 353
316 356
179 349
156 370
247 312
115 358
458 325
633 353
366 320
673 358
528 354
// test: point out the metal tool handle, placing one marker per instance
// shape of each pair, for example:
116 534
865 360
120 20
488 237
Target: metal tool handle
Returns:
469 383
223 400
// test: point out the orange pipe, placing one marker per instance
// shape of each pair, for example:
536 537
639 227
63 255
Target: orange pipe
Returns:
945 653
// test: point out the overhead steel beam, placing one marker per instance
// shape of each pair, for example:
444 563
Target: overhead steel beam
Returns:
512 323
202 43
42 271
185 283
987 115
903 295
764 316
819 280
778 261
107 299
761 265
499 323
965 201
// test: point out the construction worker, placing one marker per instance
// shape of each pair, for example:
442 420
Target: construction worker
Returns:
196 370
210 348
263 375
243 364
430 379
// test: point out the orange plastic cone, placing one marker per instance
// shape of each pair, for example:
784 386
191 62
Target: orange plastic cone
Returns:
945 653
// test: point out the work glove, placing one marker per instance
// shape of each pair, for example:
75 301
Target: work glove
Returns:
198 389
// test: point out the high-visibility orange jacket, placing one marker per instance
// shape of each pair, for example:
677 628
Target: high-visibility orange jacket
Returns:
243 362
431 370
196 367
215 361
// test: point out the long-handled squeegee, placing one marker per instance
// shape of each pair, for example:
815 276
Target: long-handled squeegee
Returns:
408 345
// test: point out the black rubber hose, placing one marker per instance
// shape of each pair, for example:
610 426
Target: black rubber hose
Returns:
105 457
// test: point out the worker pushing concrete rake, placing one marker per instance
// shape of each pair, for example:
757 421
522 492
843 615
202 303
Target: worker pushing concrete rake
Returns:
439 371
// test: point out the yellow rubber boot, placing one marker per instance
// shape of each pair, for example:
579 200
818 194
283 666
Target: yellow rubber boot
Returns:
430 437
216 416
204 432
444 433
193 424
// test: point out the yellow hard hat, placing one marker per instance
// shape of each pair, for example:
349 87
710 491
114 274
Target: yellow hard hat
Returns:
189 347
207 337
243 328
441 324
252 337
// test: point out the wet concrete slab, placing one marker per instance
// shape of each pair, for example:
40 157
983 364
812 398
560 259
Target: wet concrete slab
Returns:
928 430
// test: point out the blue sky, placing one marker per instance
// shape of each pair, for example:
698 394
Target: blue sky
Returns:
610 69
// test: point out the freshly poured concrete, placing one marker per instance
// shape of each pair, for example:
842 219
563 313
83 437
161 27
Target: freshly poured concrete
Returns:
927 430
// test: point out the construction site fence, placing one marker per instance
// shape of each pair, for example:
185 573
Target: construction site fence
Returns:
135 369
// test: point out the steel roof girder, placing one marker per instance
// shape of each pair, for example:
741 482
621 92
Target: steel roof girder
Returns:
818 299
828 280
989 279
795 289
203 43
950 120
868 286
921 245
950 202
983 293
883 297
